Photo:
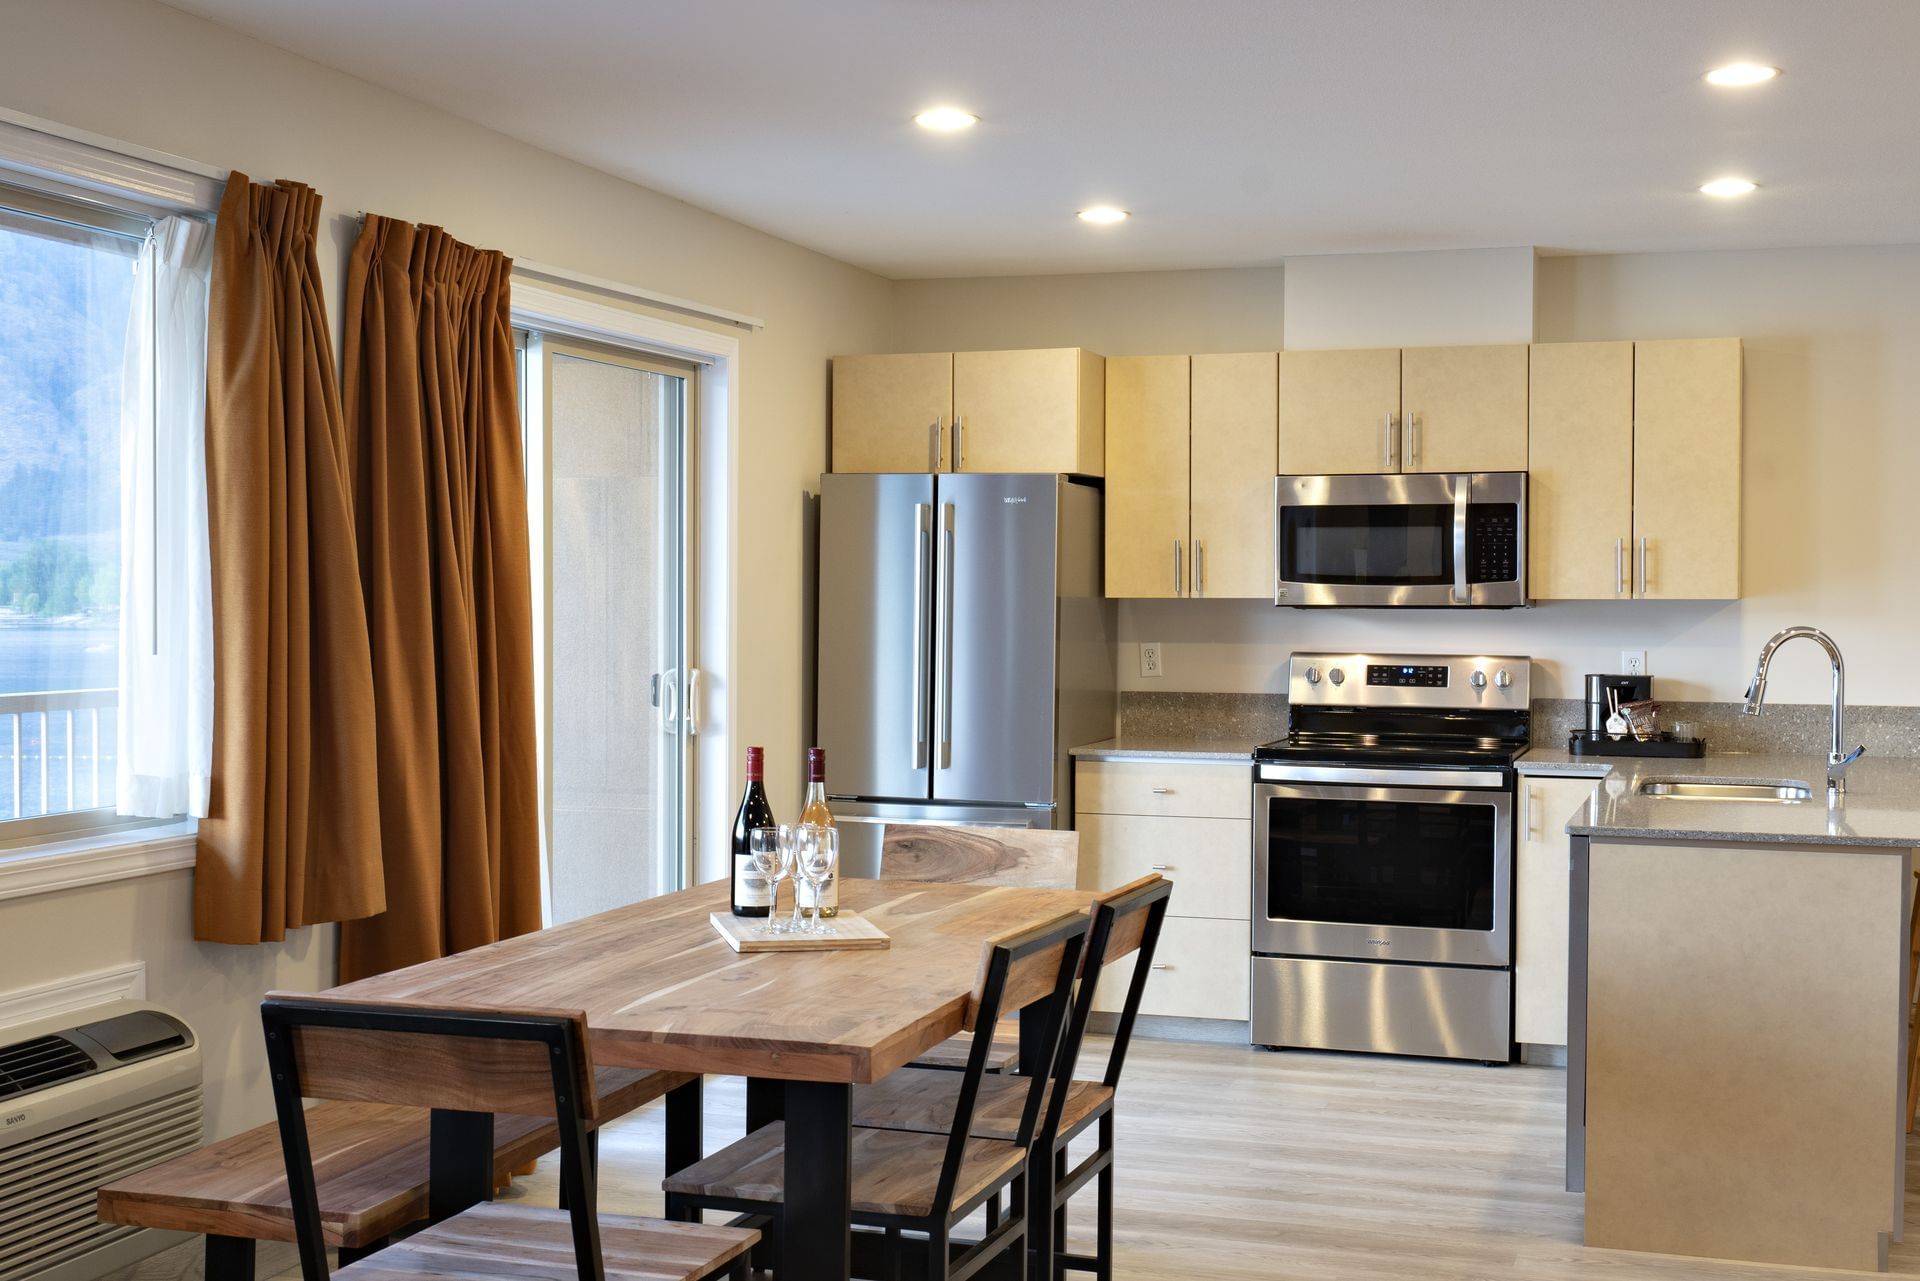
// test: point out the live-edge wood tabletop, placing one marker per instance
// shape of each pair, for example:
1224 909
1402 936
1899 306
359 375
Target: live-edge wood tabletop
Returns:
661 989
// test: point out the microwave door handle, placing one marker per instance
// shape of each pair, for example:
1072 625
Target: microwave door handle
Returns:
1462 490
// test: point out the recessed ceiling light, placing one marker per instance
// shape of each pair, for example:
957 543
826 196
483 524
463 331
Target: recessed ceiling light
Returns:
1736 75
946 119
1727 187
1104 214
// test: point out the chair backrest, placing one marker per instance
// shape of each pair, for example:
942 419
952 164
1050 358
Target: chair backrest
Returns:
1023 857
1124 921
1019 969
466 1065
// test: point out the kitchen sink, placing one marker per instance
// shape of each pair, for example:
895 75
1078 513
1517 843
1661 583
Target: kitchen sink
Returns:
1774 790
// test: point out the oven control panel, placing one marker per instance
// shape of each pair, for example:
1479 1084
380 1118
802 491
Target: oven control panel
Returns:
1410 680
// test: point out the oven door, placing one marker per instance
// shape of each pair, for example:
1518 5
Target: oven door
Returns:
1417 539
1383 865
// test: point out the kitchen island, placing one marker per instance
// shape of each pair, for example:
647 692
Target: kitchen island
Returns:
1738 1000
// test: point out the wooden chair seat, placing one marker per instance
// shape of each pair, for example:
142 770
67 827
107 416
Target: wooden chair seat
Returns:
894 1171
370 1165
496 1242
923 1101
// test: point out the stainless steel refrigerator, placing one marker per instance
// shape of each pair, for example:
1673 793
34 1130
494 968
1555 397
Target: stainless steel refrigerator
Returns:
964 647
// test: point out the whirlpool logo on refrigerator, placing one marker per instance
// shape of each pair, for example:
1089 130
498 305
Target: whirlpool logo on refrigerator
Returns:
1013 498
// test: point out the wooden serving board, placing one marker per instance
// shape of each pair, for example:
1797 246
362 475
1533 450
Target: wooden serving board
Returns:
851 933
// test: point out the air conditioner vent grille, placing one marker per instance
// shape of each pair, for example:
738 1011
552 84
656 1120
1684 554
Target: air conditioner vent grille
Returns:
41 1062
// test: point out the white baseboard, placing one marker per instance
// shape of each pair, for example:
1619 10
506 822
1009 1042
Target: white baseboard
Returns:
125 982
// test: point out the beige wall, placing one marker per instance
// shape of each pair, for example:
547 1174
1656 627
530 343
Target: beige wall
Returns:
150 75
1831 382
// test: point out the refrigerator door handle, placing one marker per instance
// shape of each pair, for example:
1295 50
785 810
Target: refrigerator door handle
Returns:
922 550
945 576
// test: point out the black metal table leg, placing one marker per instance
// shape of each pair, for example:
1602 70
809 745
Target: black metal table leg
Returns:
229 1258
816 1223
459 1162
685 1125
766 1102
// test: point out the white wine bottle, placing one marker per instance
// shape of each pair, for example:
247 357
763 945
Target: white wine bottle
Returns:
814 810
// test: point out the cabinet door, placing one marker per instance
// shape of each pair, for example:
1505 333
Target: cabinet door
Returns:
1234 416
1686 468
891 413
1540 907
1338 412
1200 971
1579 470
1146 521
1206 858
1464 408
1028 411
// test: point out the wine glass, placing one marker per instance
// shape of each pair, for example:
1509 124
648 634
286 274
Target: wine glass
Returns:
771 863
818 849
789 871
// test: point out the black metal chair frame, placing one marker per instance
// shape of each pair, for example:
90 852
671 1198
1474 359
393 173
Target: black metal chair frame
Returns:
461 1170
946 1258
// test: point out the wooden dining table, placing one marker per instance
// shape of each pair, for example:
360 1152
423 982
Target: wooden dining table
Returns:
661 989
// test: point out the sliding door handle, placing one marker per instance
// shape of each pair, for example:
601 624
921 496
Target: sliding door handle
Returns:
693 701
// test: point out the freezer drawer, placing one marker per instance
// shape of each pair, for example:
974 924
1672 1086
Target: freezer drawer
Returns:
1436 1010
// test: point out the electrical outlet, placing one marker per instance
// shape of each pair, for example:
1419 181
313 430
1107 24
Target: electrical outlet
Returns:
1633 662
1150 658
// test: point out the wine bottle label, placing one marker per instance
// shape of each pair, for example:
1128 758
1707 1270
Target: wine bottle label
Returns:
750 887
829 891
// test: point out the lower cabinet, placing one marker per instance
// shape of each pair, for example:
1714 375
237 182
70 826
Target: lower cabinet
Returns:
1540 906
1191 823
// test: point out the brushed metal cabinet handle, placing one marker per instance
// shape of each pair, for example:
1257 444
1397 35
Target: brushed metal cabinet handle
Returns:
1646 585
1413 442
1388 438
1160 965
1178 575
933 444
1619 567
1199 568
959 443
1162 791
1159 867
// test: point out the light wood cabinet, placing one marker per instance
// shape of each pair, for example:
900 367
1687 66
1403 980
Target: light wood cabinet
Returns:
1147 475
1686 468
1339 412
980 411
1029 411
1540 907
1634 479
1464 409
1193 823
1580 471
892 413
1234 416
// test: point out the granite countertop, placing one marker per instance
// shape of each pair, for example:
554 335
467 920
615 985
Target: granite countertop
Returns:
1551 761
1164 746
1881 805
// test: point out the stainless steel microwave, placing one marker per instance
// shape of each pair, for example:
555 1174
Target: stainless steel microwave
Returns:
1438 539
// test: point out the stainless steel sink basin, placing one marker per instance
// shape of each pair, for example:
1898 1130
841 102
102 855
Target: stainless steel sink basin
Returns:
1771 790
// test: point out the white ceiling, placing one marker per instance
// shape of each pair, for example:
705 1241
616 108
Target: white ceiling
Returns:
1238 131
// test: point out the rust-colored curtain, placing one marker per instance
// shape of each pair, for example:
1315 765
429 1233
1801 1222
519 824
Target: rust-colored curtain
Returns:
441 507
292 836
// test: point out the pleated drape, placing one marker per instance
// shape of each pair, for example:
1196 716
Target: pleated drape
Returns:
440 500
292 836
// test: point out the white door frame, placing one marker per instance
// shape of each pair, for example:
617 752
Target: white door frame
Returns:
714 554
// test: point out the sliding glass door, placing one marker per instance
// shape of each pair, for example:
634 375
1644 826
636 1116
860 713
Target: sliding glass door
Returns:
609 493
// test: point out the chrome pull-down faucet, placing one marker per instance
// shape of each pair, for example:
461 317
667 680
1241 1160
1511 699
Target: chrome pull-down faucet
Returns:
1838 757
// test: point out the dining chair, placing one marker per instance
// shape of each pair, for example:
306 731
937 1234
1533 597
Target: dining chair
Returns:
974 854
467 1065
1124 921
925 1183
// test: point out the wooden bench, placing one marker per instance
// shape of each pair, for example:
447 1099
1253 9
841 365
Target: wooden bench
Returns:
370 1163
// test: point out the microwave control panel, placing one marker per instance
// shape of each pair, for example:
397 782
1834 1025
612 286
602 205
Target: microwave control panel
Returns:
1493 541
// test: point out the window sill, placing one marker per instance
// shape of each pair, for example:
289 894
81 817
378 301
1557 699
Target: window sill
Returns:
97 859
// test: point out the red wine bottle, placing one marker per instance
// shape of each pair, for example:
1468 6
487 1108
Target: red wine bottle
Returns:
751 895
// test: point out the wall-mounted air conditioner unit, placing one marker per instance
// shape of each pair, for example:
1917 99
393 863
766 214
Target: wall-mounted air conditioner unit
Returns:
86 1098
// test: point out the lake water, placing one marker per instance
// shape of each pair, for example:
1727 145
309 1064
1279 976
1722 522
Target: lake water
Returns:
35 658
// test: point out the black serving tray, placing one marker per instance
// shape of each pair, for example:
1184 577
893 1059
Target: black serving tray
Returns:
1582 742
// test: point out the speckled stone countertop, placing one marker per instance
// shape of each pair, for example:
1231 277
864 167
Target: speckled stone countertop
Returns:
1881 806
1552 761
1167 746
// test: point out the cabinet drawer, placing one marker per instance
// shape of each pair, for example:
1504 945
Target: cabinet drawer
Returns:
1200 972
1164 787
1209 860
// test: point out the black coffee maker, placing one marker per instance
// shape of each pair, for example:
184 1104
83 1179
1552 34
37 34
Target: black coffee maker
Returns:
1604 693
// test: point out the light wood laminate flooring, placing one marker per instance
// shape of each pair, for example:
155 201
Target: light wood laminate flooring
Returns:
1242 1164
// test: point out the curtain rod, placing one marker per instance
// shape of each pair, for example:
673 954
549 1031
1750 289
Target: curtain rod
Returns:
620 289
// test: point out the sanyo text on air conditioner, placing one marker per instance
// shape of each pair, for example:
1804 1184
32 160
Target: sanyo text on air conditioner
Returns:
86 1097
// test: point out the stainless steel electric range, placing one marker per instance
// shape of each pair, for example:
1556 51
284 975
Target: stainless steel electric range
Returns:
1383 856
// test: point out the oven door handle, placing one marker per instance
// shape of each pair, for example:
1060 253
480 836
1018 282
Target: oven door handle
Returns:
1455 779
1462 491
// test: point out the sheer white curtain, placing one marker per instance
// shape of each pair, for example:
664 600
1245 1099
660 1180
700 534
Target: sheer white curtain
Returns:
165 727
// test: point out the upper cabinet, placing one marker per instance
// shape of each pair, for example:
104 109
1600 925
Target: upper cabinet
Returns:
1190 456
1464 409
1418 409
1635 484
980 411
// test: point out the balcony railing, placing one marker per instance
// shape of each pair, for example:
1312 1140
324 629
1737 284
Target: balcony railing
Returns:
57 752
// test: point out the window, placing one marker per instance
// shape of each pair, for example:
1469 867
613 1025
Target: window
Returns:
68 311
